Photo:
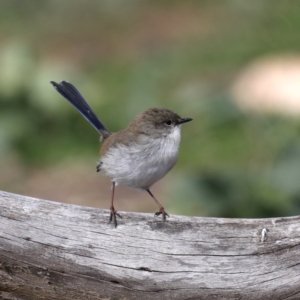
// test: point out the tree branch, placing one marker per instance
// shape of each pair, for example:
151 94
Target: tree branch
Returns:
50 250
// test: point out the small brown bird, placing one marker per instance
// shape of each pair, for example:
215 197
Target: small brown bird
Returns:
137 156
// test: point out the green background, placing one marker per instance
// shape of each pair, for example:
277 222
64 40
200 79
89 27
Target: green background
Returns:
126 56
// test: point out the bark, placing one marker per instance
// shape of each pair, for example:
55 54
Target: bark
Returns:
50 250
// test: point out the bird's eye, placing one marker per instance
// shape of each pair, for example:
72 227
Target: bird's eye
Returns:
169 122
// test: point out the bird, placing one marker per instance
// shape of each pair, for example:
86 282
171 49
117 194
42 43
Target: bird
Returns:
137 156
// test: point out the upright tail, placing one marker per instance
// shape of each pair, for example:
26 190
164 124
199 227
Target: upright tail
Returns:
69 91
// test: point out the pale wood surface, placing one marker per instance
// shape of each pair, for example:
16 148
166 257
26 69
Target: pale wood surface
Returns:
50 250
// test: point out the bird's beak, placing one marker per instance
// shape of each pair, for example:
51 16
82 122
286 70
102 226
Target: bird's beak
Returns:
184 120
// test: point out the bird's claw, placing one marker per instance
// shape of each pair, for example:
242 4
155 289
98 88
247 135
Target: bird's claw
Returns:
163 213
113 216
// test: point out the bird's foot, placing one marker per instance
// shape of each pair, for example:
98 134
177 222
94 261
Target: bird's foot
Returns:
163 213
113 216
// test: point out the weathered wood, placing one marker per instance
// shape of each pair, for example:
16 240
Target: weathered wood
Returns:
51 250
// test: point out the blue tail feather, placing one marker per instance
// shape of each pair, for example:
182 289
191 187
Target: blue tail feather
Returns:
68 91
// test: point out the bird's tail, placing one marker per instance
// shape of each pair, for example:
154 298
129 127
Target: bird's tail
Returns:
69 91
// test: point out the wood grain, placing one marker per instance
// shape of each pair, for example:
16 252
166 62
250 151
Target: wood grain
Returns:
50 250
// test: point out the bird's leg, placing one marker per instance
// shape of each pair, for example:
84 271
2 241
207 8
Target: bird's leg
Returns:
113 212
161 208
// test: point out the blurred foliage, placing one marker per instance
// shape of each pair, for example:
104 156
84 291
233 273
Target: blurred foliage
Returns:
128 56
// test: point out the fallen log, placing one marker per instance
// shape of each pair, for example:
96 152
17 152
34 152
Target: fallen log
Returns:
51 250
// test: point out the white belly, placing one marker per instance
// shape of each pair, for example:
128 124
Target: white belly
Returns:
140 166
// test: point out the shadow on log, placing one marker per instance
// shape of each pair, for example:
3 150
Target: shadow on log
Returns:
50 250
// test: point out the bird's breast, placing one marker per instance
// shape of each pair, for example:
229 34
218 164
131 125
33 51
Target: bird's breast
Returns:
141 164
